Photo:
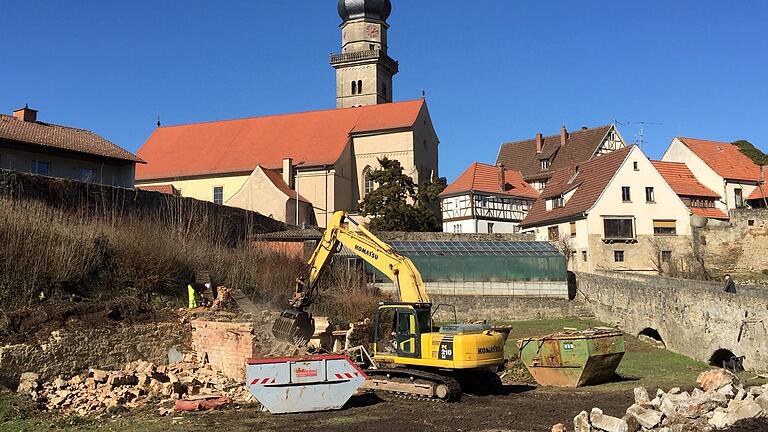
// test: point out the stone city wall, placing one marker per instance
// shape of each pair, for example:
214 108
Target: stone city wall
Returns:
739 247
71 352
693 318
507 308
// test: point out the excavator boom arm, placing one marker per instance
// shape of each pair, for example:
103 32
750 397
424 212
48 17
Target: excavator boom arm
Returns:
408 283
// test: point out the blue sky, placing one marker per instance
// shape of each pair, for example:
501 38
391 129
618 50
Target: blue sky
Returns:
493 70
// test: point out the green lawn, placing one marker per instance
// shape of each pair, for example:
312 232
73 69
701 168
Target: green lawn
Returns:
642 364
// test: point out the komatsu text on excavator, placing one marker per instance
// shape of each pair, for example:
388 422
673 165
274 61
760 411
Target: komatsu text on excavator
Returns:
414 357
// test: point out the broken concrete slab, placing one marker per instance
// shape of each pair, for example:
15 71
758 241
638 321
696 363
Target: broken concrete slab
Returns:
605 422
740 410
715 379
647 418
581 422
641 396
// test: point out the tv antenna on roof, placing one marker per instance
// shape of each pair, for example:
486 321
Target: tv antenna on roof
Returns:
640 136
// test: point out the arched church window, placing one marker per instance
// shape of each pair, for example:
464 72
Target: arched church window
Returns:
384 89
368 184
354 87
360 86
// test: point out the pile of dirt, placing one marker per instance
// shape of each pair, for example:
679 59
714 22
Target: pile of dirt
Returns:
719 402
138 384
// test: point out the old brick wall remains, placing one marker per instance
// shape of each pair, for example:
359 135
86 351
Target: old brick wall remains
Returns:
225 345
693 318
739 247
69 353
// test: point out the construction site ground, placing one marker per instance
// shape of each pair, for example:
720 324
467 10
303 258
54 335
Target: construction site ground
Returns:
521 407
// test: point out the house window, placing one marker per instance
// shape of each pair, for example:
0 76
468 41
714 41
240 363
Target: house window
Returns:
634 165
553 233
573 229
738 198
354 87
87 175
666 256
664 227
368 184
490 228
650 196
457 228
618 228
625 194
584 256
360 86
618 256
40 167
545 164
218 195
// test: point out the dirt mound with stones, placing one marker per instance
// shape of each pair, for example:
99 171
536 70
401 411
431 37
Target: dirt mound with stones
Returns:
719 403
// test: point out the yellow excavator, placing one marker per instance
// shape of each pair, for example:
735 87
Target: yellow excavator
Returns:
414 358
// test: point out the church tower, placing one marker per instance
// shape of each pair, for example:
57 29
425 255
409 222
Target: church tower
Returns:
364 71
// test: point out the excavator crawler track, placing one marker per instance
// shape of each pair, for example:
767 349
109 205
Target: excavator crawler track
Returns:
414 384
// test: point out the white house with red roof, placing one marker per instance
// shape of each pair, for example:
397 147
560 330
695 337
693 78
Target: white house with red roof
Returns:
321 159
612 212
719 166
700 199
486 199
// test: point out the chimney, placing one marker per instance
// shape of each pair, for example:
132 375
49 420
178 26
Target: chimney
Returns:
288 172
539 142
502 177
563 136
26 114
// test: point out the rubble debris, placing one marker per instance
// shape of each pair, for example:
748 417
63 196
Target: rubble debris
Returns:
559 428
139 383
720 402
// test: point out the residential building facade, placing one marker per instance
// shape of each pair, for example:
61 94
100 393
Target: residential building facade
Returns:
719 166
613 212
699 199
30 145
325 157
539 158
486 199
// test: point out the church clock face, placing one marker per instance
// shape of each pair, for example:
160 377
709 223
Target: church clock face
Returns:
373 31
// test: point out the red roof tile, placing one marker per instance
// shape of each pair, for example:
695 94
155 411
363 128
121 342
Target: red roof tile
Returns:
482 177
163 188
315 138
580 145
758 193
66 138
710 212
682 180
591 180
277 180
724 158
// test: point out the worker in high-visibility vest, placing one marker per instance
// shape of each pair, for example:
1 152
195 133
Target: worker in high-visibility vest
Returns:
194 291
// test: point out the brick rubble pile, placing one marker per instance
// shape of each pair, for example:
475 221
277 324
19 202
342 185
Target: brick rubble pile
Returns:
138 384
719 402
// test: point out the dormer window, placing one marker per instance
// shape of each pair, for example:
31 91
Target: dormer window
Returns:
544 164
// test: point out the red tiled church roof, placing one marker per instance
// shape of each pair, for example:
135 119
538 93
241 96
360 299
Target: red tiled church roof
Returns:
482 177
579 147
315 138
682 180
590 181
724 158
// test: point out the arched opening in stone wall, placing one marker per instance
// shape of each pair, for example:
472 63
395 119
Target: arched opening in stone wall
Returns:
725 358
651 336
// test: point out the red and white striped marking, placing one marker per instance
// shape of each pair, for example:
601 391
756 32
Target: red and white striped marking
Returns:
347 375
262 381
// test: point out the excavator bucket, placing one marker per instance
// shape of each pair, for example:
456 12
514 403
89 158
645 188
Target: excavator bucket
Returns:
294 326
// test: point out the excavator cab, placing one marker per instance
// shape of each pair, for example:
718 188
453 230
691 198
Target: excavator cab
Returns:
398 329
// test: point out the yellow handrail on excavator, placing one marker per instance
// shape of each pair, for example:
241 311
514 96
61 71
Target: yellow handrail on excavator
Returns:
296 325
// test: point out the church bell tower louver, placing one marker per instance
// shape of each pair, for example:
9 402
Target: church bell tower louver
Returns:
364 71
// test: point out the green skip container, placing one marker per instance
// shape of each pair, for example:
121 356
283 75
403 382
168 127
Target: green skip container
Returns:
573 358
